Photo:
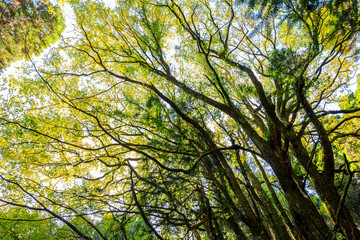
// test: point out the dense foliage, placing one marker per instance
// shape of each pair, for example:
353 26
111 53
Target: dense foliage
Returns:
211 119
26 28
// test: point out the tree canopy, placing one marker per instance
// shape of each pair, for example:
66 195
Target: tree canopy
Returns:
26 28
194 119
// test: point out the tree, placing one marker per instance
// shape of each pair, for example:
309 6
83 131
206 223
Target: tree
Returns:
191 119
26 28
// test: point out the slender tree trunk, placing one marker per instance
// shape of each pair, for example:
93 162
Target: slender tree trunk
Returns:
277 203
252 220
246 213
236 228
276 223
196 234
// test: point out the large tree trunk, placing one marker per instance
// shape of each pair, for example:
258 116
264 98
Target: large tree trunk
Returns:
306 218
324 186
331 199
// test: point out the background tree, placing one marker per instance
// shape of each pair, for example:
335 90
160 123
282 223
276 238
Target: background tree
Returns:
190 119
27 27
